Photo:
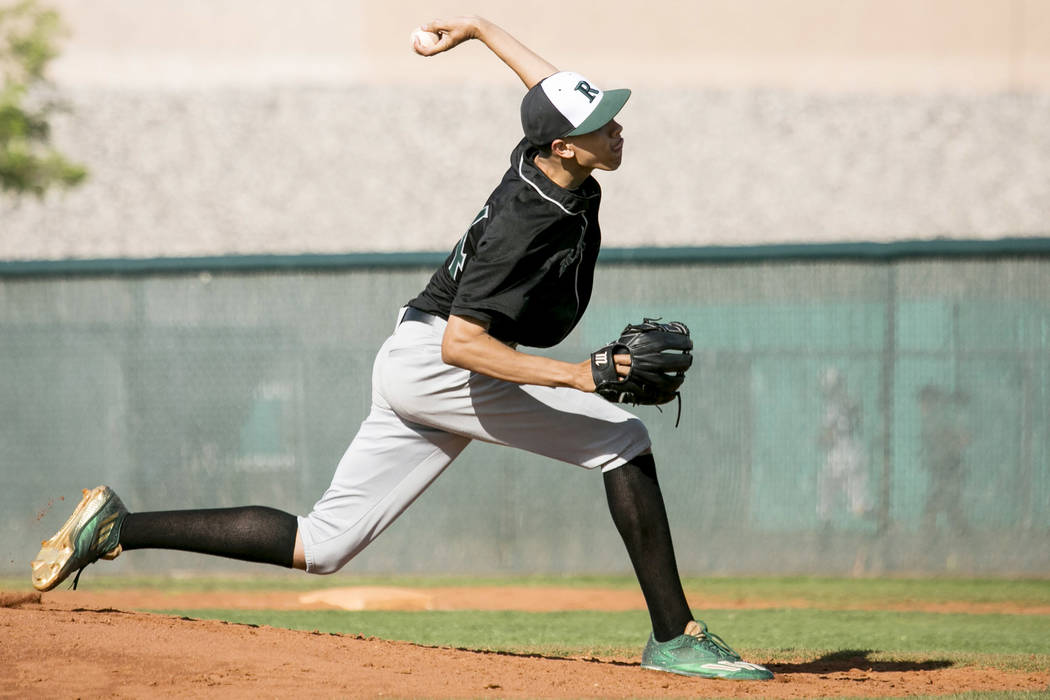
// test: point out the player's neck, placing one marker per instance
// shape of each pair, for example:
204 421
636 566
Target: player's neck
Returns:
563 172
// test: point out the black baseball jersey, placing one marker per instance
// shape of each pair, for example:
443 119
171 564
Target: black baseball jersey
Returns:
526 263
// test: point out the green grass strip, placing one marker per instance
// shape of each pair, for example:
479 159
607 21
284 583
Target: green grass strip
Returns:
1005 640
835 592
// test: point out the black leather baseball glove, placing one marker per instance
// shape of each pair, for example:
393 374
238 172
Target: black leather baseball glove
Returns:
660 355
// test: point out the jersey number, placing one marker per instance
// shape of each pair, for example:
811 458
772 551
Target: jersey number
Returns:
459 255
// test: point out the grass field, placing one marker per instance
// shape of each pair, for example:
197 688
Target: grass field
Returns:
828 619
1007 641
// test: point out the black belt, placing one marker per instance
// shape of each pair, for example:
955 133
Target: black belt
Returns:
414 314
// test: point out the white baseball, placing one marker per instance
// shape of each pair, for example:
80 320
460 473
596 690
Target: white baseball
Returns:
424 38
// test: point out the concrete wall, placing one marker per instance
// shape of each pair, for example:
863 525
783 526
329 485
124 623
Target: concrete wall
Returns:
231 127
853 45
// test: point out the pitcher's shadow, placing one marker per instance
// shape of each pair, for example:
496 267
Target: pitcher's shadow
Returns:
856 659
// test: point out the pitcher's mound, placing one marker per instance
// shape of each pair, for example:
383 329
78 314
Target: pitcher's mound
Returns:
370 598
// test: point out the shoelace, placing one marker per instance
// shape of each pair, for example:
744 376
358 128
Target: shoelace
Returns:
715 643
108 556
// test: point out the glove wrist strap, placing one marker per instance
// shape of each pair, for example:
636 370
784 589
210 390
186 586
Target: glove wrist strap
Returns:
603 364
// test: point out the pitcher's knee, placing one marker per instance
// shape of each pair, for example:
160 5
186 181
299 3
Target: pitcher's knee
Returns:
328 546
636 435
633 440
329 557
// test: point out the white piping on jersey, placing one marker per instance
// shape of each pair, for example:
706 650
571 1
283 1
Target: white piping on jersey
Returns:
579 263
583 229
533 185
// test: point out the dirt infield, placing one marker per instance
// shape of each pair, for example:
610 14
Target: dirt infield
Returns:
89 644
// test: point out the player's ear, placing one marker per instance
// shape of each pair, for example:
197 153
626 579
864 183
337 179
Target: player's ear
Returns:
562 149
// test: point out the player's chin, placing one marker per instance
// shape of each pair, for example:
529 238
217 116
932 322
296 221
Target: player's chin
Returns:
612 162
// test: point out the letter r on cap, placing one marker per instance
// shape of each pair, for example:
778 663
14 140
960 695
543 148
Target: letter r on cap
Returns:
588 92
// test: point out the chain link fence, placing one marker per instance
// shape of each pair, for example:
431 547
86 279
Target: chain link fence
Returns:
844 416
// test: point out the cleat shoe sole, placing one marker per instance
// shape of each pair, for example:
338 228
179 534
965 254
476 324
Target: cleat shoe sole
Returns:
724 670
91 532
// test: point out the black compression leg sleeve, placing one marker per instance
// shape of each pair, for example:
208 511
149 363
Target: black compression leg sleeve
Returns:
637 509
251 533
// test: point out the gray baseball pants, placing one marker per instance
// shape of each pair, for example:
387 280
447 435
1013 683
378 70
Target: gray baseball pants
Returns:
424 413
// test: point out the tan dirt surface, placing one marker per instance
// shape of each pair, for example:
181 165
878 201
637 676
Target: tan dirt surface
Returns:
82 644
524 598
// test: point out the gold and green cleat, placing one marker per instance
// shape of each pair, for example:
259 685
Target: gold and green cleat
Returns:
90 534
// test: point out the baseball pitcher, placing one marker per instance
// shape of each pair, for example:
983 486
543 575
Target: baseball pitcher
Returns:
453 371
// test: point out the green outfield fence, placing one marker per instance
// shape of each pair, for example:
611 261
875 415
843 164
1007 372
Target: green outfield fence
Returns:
853 409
